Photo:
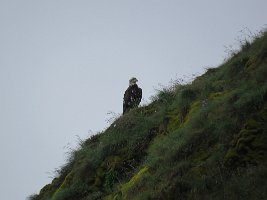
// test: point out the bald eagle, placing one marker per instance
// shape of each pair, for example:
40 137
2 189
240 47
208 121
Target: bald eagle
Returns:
132 96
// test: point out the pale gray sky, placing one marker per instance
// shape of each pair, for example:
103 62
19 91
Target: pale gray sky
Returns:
64 64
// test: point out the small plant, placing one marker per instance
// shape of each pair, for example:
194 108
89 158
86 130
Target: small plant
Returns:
112 117
33 197
243 42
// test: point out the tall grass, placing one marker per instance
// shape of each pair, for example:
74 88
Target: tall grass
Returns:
193 141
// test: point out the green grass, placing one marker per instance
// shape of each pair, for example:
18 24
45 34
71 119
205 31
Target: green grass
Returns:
204 140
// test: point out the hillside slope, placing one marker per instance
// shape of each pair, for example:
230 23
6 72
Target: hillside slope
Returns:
205 140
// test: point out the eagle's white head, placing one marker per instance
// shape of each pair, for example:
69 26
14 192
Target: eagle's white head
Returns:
132 81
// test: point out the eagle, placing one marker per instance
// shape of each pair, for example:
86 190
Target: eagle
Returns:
132 96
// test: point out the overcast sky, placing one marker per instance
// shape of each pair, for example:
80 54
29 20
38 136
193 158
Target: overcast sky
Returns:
65 64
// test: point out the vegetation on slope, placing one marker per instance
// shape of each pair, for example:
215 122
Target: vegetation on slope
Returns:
204 140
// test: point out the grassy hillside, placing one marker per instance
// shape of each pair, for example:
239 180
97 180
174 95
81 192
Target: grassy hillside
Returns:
205 140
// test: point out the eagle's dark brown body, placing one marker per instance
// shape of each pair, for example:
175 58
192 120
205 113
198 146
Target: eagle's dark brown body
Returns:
132 98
